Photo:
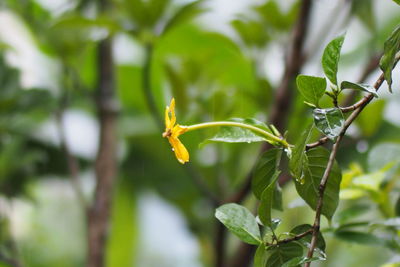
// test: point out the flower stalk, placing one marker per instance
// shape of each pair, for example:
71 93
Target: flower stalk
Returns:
174 130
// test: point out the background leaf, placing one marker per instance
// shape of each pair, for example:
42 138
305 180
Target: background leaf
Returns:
240 221
383 154
317 161
329 121
391 47
361 238
330 58
311 88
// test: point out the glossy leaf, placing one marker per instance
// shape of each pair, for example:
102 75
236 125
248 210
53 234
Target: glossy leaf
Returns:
240 221
356 86
307 239
264 210
298 161
229 134
311 88
329 121
279 255
391 47
265 170
330 58
308 190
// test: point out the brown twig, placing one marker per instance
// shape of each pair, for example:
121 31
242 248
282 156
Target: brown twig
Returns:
296 237
316 226
280 109
72 162
106 161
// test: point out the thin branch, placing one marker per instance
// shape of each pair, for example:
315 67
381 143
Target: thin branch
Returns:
280 110
72 162
296 237
284 93
106 166
316 226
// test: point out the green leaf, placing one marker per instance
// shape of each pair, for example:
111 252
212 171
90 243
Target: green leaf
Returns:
391 222
229 134
307 239
356 86
240 221
311 88
397 1
264 210
361 238
260 256
298 161
329 121
351 212
252 33
185 13
308 190
382 155
330 58
391 47
278 255
364 10
265 170
371 119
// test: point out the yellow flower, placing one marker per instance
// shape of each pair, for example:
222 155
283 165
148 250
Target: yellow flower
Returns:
173 131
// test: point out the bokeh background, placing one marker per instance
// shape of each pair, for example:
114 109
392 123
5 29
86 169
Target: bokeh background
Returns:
219 59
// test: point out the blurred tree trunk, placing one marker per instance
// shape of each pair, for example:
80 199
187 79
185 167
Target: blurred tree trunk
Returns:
106 162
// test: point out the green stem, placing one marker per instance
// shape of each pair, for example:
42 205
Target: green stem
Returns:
268 136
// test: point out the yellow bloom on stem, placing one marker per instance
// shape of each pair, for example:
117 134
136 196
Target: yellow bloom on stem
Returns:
173 131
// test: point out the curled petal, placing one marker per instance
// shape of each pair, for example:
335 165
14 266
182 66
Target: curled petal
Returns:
180 150
178 130
167 120
172 111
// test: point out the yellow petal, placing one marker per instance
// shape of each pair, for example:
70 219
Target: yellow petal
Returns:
180 150
178 130
172 110
167 120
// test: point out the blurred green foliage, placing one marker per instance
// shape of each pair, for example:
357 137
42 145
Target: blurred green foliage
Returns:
214 75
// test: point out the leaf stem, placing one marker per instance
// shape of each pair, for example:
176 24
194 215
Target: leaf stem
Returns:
268 136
